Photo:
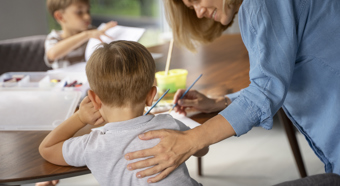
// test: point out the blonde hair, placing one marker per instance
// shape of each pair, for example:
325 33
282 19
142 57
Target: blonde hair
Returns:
121 73
54 5
189 30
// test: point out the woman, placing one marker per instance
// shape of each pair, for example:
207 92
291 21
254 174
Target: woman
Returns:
294 53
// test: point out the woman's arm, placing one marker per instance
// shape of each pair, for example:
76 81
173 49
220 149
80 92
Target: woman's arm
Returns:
176 147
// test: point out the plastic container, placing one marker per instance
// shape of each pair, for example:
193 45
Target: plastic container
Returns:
176 79
39 100
45 81
36 109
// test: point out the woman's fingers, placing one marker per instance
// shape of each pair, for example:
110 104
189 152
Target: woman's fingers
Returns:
162 175
139 154
177 95
145 163
153 134
188 102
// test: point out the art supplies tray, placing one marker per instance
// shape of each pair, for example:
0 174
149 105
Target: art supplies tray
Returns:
44 81
39 100
36 109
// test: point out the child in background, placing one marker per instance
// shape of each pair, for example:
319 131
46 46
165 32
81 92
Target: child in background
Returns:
121 76
67 47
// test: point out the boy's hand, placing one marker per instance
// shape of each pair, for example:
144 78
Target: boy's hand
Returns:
88 114
97 33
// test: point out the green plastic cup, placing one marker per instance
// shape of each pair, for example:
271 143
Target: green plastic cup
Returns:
176 79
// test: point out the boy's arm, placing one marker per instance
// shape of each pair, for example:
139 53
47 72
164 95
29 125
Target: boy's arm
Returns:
65 46
51 147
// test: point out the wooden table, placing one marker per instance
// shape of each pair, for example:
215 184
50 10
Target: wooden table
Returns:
225 68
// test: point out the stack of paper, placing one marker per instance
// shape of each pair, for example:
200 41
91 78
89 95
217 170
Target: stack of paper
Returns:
117 33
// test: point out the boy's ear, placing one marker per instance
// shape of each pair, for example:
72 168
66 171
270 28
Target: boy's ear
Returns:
151 96
58 16
97 103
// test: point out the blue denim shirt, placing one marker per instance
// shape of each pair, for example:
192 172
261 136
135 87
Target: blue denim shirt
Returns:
294 54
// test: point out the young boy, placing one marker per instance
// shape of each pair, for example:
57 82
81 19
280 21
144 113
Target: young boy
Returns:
67 47
121 76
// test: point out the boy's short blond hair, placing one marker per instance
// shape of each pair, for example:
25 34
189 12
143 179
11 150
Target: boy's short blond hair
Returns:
54 5
121 73
188 29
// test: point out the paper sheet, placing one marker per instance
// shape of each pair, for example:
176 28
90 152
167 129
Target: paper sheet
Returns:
117 33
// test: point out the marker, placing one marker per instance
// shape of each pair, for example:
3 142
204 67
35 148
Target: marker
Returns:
71 84
186 92
156 102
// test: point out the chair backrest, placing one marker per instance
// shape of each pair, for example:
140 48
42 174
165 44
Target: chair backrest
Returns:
23 54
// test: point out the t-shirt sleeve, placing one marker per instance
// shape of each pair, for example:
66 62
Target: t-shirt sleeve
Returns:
182 126
50 41
268 30
74 150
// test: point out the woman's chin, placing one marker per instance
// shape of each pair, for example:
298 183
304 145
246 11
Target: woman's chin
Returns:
225 21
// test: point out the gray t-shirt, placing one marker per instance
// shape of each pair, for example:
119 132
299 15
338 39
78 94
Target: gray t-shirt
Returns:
102 151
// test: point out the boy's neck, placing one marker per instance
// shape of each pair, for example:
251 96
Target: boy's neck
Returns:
116 114
68 32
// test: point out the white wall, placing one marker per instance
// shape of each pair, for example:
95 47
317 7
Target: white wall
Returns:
234 29
19 18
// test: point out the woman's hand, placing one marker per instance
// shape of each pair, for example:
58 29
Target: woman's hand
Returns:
174 148
197 100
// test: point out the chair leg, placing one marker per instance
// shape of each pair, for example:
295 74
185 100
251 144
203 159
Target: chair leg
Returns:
289 128
199 163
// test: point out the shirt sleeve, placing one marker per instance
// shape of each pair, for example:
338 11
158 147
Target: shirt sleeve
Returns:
74 150
233 96
50 41
269 34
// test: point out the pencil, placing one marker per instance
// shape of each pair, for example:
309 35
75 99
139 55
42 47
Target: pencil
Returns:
186 92
156 102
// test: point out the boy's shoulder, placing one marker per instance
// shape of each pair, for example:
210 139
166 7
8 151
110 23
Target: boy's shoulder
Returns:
167 120
54 34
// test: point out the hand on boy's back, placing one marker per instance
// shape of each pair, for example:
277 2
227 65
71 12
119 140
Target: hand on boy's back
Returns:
88 114
97 33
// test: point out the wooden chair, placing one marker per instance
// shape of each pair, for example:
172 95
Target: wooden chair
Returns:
290 131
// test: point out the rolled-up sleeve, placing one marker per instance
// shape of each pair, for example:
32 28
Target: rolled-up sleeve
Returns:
268 30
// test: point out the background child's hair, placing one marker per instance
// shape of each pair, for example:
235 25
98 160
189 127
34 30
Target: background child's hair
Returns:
121 72
54 5
189 30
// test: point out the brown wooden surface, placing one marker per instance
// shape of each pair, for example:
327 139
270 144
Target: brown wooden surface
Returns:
225 68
